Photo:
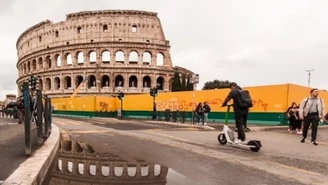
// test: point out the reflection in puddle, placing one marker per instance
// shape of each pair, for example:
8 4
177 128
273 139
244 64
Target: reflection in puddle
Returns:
78 163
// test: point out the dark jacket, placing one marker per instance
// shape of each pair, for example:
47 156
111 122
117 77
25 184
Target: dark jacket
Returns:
207 108
234 95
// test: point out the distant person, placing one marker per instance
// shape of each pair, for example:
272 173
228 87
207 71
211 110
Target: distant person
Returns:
312 109
207 109
293 116
241 103
199 112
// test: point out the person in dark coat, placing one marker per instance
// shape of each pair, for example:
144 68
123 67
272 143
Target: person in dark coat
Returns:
241 114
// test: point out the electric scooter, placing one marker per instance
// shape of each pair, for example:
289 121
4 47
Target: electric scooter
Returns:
228 136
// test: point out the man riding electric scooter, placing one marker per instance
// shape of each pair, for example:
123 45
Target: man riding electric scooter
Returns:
241 103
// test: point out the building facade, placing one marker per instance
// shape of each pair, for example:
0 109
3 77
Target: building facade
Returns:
109 51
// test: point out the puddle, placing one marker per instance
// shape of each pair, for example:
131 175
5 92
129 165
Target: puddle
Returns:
78 163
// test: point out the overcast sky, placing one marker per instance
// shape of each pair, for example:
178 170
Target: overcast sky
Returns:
252 42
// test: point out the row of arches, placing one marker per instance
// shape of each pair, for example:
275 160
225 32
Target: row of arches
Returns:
133 81
80 58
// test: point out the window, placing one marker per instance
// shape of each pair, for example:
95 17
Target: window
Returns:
40 38
57 34
79 29
134 28
105 28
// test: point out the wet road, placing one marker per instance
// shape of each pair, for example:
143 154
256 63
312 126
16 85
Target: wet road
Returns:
188 155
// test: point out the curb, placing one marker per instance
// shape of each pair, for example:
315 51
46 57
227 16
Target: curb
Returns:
35 168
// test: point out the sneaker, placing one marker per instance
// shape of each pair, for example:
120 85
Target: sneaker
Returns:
205 123
238 141
303 140
314 143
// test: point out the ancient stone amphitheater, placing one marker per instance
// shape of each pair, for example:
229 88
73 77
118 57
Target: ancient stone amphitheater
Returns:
113 50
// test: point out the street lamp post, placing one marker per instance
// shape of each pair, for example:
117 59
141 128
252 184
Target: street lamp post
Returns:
309 77
194 80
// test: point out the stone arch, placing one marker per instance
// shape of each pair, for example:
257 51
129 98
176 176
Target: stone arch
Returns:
119 57
92 82
40 63
133 57
146 82
58 60
48 62
80 57
160 59
92 57
56 83
78 80
67 82
48 84
69 59
133 81
119 81
146 58
105 56
28 66
105 81
160 83
34 65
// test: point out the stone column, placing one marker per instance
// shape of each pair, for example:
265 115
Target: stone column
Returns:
112 57
62 80
125 171
65 166
75 169
151 170
74 60
140 58
153 59
86 58
126 58
99 56
111 170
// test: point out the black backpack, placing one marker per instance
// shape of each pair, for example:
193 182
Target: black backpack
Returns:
244 99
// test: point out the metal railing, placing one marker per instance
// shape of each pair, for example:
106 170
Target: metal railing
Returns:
37 109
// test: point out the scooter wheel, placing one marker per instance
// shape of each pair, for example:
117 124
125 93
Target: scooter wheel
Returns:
222 139
257 146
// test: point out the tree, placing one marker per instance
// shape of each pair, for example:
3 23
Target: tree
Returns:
190 86
176 84
183 83
216 84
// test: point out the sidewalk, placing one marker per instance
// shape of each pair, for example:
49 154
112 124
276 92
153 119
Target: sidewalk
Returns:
12 146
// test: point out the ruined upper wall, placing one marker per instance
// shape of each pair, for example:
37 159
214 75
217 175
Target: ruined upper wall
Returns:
92 27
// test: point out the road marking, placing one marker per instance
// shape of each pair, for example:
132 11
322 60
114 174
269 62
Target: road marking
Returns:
173 137
89 131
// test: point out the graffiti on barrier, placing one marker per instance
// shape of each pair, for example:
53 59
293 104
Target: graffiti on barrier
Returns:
260 103
103 106
183 105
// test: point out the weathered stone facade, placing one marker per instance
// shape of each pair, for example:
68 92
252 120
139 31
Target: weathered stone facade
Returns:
116 50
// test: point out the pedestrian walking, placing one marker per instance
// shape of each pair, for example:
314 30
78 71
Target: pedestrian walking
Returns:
241 103
312 110
207 109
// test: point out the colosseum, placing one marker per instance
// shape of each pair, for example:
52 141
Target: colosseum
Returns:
109 51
